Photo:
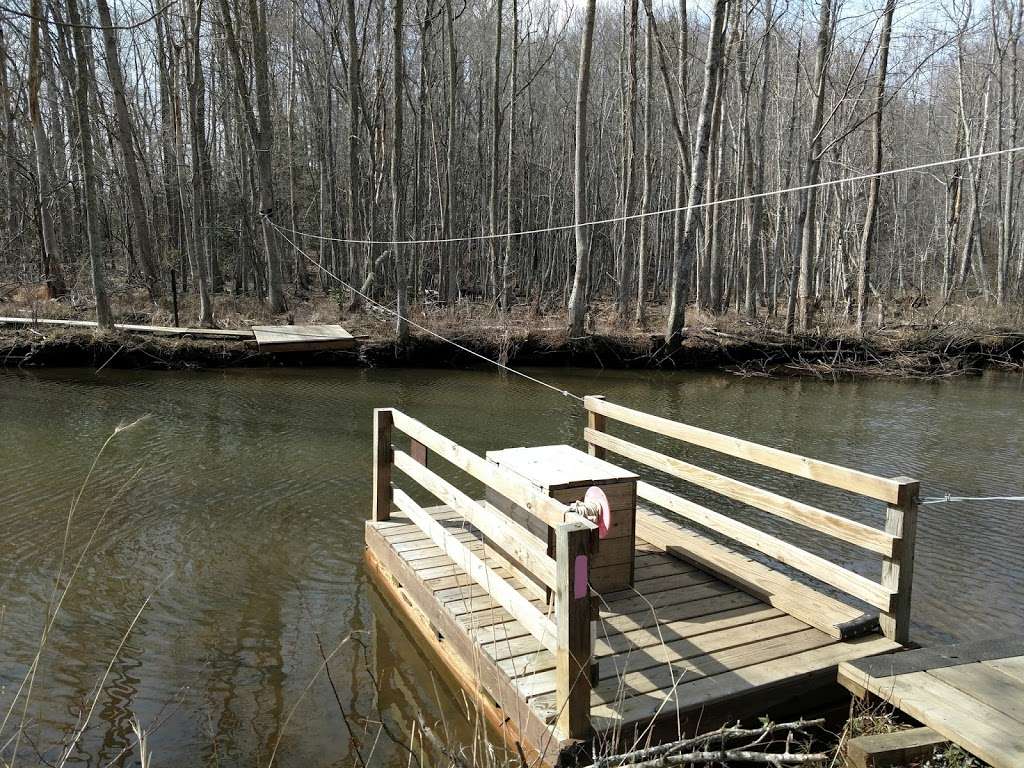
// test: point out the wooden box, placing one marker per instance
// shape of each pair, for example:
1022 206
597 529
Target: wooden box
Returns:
566 473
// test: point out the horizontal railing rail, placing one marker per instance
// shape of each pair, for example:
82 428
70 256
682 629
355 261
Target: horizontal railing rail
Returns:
891 594
568 635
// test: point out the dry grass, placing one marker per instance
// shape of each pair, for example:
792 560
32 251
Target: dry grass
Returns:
880 718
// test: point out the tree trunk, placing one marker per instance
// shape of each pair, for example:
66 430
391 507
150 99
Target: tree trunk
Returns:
578 299
805 220
401 268
261 132
83 84
682 259
504 298
198 253
141 230
496 121
645 195
51 249
867 234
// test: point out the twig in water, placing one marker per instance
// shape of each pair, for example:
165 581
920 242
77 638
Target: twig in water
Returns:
337 698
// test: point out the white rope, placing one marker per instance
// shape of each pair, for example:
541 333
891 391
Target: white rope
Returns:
662 212
948 498
559 390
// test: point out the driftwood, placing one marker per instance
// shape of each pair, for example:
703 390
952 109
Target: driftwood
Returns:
734 744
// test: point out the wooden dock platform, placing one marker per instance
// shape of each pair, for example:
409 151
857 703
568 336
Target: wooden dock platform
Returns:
302 338
700 632
970 693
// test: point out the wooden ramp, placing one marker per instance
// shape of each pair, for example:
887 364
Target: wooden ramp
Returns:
701 633
970 693
302 338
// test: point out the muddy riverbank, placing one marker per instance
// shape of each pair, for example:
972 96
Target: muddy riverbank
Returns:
909 352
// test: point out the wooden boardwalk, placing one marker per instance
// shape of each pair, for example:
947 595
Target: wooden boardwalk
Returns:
270 338
970 693
506 598
160 330
302 338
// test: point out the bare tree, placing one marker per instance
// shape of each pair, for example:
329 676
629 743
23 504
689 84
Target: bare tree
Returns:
141 230
682 259
50 251
397 230
260 125
578 299
867 234
83 85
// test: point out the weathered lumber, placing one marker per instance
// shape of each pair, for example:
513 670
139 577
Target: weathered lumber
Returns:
811 606
515 488
838 527
882 750
504 594
505 533
852 583
881 488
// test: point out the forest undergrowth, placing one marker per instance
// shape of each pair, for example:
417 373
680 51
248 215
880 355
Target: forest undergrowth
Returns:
917 338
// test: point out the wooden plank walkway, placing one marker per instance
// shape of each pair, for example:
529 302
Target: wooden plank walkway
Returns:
971 693
204 333
302 338
681 641
270 338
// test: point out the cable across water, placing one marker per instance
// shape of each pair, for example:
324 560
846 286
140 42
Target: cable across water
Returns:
663 211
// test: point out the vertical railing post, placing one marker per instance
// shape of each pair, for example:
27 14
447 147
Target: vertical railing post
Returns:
898 570
382 458
572 617
597 422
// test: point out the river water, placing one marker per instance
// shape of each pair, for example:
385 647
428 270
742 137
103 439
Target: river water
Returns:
232 516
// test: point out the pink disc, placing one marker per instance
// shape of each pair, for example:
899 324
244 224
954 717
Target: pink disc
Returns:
604 520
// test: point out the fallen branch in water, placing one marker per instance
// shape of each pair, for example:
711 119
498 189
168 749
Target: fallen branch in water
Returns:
696 750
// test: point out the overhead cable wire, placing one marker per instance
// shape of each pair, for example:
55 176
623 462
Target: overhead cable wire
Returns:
467 350
663 211
949 499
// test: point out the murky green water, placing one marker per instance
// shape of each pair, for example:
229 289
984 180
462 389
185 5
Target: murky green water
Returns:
244 527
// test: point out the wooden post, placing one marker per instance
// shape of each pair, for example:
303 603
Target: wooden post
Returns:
572 616
898 570
174 296
597 422
382 458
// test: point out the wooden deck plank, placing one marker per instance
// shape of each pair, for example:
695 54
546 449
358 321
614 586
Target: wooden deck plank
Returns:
652 677
774 587
987 733
611 666
988 685
614 639
707 691
302 338
1014 667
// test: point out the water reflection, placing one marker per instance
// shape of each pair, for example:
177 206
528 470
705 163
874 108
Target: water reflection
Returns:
251 505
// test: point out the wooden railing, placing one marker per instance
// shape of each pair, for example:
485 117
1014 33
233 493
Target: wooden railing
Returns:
891 594
569 636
